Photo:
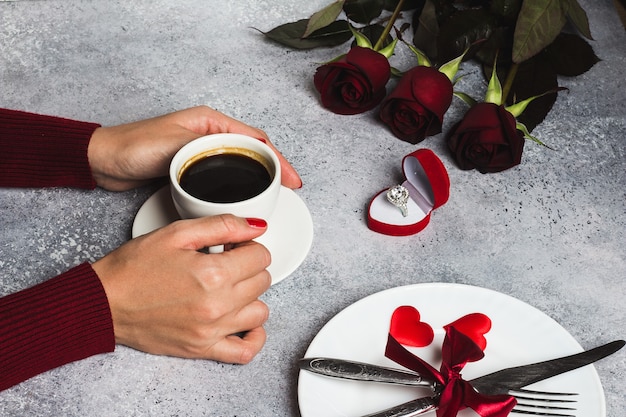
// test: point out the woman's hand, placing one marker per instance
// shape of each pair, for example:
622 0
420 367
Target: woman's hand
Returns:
168 298
129 155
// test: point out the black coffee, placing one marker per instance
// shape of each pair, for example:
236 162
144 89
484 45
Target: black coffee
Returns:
225 178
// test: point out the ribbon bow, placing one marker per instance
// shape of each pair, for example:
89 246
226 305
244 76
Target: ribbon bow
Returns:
457 394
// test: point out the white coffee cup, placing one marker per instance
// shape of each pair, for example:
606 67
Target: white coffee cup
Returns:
259 206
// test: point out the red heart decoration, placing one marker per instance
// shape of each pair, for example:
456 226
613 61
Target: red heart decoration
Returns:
407 328
474 326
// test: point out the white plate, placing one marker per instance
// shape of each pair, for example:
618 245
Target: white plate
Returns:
520 334
288 237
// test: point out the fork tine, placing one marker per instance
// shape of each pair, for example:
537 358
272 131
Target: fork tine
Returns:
546 393
540 410
540 413
543 407
542 403
543 399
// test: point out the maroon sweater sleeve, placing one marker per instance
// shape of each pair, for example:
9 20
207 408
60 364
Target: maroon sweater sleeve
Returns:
44 151
51 324
68 317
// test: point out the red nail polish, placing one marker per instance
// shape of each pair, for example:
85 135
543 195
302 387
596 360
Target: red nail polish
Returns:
257 223
262 140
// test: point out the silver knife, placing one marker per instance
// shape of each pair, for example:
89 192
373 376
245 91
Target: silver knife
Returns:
358 371
499 382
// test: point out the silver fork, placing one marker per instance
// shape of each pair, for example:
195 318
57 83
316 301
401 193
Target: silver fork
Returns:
543 403
529 402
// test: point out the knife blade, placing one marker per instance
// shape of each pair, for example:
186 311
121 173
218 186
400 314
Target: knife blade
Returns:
520 376
498 382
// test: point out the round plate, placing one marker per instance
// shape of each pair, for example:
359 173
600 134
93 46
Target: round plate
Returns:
288 237
520 334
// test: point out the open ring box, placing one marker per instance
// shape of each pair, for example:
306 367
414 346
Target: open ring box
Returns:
429 188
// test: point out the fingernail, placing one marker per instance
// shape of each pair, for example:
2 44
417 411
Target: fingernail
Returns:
262 140
257 223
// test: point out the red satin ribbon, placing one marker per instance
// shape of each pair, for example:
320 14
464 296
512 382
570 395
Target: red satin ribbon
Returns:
457 394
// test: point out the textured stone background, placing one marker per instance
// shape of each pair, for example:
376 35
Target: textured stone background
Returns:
550 232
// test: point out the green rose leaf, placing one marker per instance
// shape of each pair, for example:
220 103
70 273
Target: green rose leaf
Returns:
290 34
462 30
570 55
533 78
408 4
506 8
498 45
426 29
362 11
538 24
578 17
323 18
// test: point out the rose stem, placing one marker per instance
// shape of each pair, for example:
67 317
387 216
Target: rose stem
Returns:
390 23
508 83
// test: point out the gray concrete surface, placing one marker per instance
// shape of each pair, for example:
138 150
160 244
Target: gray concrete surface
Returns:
550 232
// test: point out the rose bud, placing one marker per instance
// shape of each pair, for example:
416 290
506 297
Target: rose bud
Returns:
487 139
354 83
415 108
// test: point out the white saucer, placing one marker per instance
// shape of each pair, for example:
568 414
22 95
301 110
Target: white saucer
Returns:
288 237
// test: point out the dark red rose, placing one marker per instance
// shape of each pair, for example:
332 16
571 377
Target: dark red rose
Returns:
487 139
415 108
355 83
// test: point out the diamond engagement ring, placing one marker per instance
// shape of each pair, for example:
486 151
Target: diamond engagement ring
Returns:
399 196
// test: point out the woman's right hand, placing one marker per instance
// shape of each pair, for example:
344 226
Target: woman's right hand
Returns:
168 298
129 155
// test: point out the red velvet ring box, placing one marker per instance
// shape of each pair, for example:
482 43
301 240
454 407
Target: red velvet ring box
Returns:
429 188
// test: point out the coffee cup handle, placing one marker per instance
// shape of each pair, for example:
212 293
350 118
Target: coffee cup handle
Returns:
216 249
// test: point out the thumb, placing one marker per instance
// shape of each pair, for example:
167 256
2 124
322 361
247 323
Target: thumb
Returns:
220 230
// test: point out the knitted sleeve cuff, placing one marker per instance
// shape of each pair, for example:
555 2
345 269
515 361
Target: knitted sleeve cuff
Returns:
44 151
62 320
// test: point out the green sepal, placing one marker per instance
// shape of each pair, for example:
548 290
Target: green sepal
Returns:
450 68
494 90
422 59
396 72
522 128
518 108
361 39
335 59
457 79
388 50
465 97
